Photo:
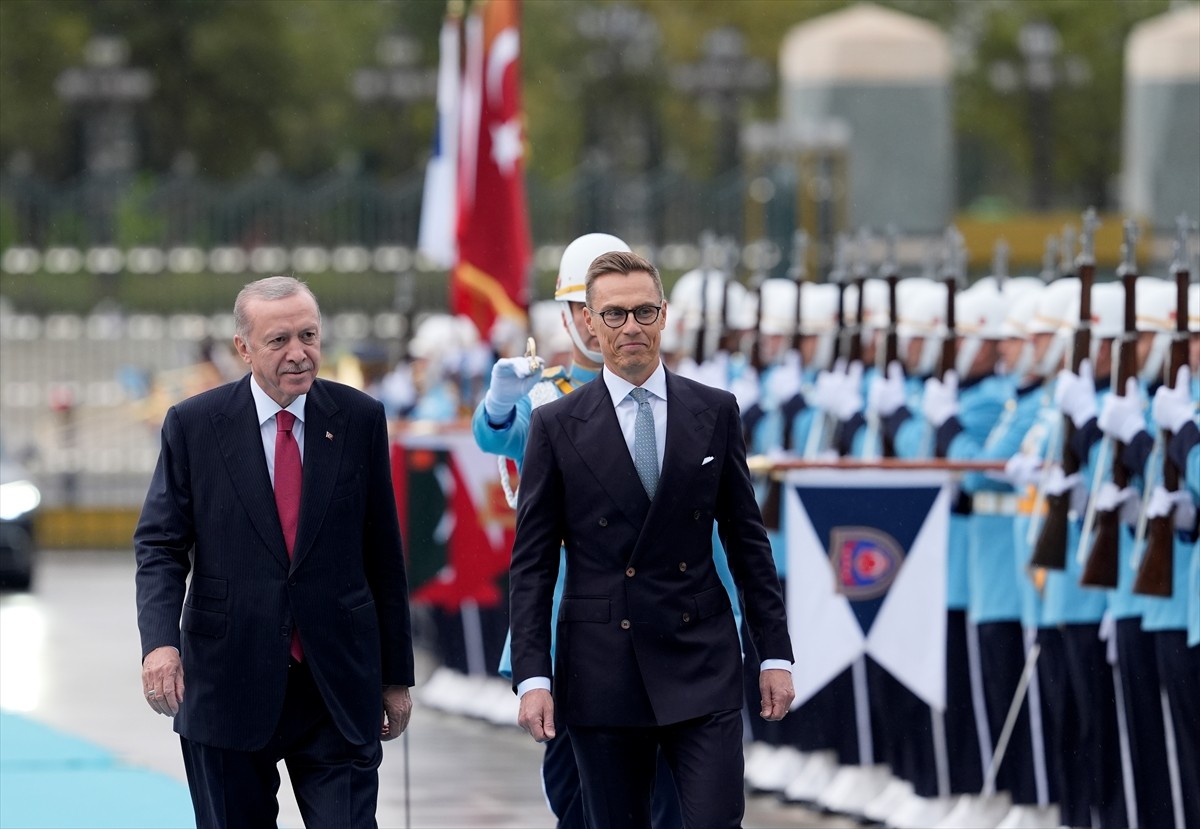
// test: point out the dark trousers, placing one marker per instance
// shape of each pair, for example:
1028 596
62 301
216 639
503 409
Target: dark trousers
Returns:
336 782
904 728
1097 765
1144 718
1002 653
1179 672
560 779
962 734
617 769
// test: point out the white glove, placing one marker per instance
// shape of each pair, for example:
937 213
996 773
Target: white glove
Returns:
1111 497
1022 469
1163 501
848 400
887 394
512 379
1075 394
940 402
1121 416
1172 408
839 391
785 379
1056 483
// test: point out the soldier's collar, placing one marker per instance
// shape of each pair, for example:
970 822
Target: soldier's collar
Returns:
580 375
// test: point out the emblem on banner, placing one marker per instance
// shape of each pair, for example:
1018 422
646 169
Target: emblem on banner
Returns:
865 561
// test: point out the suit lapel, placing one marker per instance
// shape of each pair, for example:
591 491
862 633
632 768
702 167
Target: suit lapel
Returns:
596 435
689 434
324 437
240 439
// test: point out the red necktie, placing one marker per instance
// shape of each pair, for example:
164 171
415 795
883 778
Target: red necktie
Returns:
288 474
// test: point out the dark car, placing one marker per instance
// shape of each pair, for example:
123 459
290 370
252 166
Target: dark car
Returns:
19 500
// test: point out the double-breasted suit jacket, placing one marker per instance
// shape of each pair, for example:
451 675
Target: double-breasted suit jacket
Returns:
646 634
210 514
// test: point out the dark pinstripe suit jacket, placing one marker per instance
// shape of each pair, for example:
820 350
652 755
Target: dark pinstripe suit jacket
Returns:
645 630
210 511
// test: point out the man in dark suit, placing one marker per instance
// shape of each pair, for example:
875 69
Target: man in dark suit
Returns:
274 492
629 473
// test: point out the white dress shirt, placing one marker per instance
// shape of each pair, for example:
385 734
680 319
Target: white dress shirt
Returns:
267 408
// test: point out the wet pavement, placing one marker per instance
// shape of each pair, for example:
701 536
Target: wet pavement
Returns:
69 660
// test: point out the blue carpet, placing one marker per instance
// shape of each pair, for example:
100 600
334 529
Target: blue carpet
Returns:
52 780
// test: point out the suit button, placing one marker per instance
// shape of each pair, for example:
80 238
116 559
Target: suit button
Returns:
285 631
603 522
683 567
624 624
292 583
696 515
687 617
629 571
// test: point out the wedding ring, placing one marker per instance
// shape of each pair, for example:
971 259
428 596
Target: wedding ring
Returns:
151 694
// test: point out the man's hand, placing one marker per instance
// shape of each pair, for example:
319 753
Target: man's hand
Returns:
537 714
397 708
512 379
775 685
162 680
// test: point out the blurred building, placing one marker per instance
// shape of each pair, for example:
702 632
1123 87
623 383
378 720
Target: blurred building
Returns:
1161 176
886 76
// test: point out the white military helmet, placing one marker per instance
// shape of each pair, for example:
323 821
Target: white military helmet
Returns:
438 339
874 305
818 318
1156 312
570 286
979 314
710 295
1021 309
1052 316
778 298
921 314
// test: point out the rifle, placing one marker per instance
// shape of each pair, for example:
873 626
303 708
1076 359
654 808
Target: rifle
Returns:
1157 564
797 272
1102 565
727 266
1050 550
838 276
953 259
707 255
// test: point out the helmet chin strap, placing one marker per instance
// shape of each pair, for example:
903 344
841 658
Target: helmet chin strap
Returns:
594 356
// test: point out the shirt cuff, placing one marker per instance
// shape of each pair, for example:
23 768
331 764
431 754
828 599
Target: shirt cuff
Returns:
533 683
775 665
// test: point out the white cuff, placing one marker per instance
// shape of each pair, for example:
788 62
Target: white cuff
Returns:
775 665
531 684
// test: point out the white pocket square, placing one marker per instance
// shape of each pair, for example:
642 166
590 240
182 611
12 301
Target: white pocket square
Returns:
706 460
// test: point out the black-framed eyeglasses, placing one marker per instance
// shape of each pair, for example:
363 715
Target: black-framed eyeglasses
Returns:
615 317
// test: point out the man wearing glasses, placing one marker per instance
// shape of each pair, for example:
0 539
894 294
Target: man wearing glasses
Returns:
628 474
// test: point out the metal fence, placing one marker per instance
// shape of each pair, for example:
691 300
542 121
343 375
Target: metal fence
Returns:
656 208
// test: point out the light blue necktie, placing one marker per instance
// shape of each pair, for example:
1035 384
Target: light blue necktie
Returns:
645 450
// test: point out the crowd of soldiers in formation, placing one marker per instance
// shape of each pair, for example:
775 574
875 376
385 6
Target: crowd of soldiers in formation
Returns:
1073 583
1078 544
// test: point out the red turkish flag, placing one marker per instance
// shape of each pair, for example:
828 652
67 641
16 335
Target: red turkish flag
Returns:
491 278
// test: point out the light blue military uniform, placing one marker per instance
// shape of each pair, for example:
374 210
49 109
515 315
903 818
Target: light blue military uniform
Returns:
508 440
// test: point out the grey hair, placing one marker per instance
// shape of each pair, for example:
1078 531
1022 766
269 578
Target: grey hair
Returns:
619 262
267 288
